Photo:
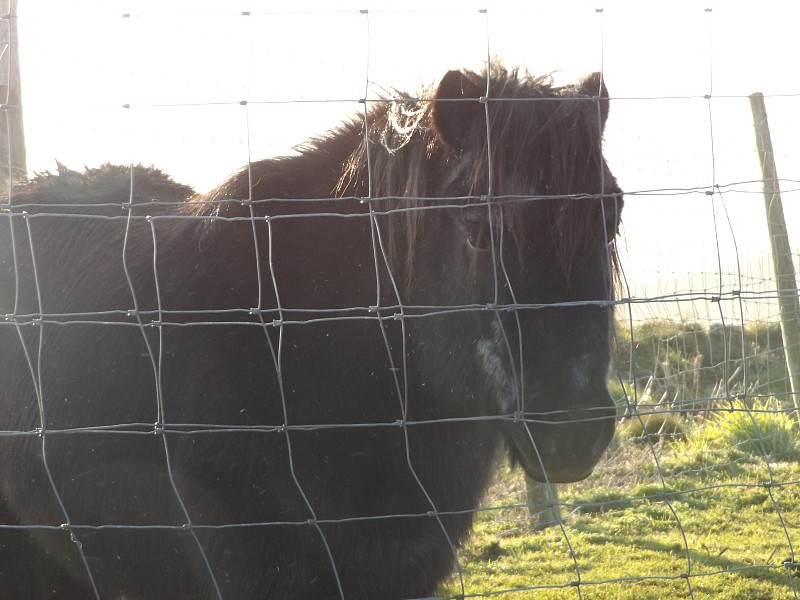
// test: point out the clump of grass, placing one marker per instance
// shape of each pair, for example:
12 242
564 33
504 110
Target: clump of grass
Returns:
762 430
490 551
656 425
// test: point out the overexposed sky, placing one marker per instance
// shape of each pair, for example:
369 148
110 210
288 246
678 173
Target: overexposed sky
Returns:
184 66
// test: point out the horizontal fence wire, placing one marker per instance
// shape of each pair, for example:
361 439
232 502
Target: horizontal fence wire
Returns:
698 493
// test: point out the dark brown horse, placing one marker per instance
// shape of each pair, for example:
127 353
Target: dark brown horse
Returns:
298 385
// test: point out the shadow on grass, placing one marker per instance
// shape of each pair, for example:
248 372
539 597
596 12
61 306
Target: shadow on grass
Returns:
699 563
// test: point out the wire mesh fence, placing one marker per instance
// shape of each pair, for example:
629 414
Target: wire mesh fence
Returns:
195 384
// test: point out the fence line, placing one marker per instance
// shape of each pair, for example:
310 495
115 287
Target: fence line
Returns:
699 374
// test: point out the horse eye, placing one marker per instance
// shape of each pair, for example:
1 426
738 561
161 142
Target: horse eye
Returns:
476 224
473 215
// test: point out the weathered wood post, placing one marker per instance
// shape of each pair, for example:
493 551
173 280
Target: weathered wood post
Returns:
542 500
781 251
13 165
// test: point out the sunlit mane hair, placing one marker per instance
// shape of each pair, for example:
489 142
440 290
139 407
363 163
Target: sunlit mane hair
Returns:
545 143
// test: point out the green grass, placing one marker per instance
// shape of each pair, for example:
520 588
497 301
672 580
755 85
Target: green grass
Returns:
709 514
761 429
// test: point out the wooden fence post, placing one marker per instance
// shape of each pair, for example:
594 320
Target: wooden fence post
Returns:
13 164
542 500
781 250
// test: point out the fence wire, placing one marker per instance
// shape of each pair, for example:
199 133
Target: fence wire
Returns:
702 478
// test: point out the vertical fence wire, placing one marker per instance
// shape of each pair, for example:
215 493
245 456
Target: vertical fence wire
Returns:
736 392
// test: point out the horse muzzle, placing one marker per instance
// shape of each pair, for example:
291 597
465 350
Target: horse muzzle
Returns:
562 446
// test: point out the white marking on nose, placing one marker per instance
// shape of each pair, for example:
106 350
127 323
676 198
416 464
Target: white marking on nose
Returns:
492 362
498 375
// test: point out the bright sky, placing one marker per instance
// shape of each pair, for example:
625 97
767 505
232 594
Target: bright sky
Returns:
184 66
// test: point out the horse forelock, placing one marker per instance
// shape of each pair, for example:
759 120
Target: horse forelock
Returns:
542 162
537 151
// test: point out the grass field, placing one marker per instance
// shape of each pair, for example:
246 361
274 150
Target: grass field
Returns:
710 511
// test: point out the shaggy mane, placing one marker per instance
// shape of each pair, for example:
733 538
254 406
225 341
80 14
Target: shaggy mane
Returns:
543 138
545 146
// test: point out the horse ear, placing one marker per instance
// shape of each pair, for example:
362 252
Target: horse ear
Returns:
593 86
456 105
